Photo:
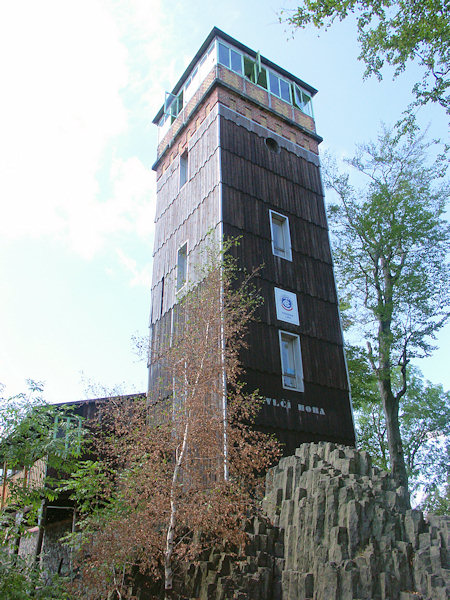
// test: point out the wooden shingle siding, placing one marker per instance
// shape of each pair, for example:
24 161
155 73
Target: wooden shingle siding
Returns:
258 182
254 181
304 273
234 180
186 214
323 362
168 268
201 185
160 382
295 421
317 316
251 214
239 142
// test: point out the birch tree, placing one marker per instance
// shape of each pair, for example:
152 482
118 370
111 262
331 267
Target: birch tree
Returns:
186 465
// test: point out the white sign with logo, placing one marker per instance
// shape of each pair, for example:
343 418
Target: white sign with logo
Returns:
287 309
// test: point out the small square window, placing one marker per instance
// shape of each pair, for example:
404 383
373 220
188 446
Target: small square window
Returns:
68 429
281 239
291 361
181 266
184 168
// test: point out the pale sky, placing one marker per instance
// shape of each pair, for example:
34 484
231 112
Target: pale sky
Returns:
81 83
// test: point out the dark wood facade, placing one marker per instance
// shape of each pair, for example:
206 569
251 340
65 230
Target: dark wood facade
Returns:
254 180
235 178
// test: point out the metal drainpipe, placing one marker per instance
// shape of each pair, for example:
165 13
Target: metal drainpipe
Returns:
222 334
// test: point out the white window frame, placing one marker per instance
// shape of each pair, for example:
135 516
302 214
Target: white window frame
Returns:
182 251
67 424
277 90
173 105
291 378
229 64
286 251
258 74
302 100
184 168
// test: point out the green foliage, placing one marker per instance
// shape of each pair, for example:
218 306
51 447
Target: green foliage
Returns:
391 241
95 487
362 379
17 423
394 32
34 438
424 414
88 485
31 429
437 502
21 580
390 247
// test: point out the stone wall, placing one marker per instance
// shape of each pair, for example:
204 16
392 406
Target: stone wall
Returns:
55 556
27 545
336 529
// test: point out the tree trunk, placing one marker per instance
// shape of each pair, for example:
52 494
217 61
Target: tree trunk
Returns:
397 458
384 374
168 571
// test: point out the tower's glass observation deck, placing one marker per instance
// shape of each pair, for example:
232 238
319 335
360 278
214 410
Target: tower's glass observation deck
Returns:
222 59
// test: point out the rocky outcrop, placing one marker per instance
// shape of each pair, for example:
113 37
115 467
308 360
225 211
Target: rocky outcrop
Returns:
336 529
258 576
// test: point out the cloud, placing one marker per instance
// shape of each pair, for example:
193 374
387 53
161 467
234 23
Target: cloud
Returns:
140 276
135 190
63 67
82 82
127 209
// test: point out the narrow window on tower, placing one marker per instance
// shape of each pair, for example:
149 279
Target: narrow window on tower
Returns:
291 361
184 168
281 239
162 297
181 266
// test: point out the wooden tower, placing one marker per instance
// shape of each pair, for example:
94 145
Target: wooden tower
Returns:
238 156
